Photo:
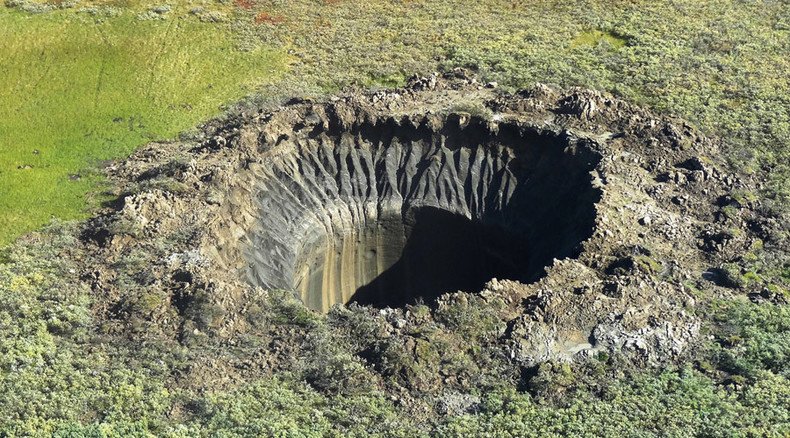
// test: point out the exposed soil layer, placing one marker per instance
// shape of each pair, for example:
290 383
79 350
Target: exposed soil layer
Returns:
386 214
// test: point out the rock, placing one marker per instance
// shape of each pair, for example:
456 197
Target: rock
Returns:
585 104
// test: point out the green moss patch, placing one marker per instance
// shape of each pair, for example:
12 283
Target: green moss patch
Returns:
592 38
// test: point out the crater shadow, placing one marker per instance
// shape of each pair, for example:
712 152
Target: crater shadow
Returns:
446 252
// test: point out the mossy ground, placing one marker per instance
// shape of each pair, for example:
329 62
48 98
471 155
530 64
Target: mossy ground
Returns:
81 87
60 377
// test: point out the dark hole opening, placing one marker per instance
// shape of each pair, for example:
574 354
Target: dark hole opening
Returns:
446 252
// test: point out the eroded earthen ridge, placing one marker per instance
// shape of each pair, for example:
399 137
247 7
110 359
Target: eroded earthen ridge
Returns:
387 212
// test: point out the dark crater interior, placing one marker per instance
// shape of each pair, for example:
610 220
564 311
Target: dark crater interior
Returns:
390 212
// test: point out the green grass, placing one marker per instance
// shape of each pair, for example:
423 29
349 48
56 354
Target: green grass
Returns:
594 37
76 91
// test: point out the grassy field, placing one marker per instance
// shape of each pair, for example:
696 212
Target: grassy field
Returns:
90 83
77 90
81 86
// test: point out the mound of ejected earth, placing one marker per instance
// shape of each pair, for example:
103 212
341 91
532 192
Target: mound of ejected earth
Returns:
590 218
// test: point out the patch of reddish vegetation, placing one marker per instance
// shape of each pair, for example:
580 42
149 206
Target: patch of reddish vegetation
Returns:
244 4
267 18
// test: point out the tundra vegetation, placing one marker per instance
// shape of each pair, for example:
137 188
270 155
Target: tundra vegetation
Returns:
84 82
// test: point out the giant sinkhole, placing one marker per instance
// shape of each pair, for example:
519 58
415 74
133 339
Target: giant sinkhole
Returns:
388 213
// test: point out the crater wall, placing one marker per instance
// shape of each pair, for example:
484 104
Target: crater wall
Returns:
387 213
